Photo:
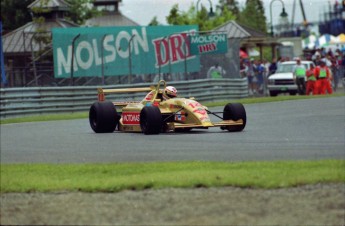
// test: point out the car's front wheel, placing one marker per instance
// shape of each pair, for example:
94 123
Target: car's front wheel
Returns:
235 112
150 120
103 117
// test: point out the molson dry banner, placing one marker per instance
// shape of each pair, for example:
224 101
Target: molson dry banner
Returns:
120 50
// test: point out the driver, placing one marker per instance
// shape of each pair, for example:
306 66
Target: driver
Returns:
169 92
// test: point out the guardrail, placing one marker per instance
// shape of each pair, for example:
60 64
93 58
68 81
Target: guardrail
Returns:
19 102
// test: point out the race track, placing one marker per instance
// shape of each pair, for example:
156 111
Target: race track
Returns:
291 130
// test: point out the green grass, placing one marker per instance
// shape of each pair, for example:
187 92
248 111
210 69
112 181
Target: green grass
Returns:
45 117
114 177
271 99
52 117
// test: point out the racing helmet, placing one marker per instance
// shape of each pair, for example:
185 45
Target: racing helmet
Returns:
169 92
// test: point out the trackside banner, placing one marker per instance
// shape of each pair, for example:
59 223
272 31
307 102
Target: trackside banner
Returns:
208 44
116 51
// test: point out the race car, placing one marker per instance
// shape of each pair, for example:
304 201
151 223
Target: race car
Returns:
156 114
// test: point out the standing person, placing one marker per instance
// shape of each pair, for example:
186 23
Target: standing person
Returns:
299 72
243 68
311 81
260 70
273 67
250 76
336 67
216 71
323 76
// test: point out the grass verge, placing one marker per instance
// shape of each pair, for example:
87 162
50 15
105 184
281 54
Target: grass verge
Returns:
69 116
115 177
272 99
45 117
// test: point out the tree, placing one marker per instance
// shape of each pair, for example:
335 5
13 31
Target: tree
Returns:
154 22
231 5
253 15
14 13
81 10
201 17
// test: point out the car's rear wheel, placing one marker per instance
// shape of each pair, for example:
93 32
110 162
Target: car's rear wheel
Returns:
150 120
235 112
103 117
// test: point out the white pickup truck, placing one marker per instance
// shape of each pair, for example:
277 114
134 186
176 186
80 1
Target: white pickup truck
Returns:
282 80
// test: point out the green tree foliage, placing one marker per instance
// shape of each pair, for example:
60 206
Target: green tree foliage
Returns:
81 10
253 15
154 22
201 17
231 5
41 37
14 13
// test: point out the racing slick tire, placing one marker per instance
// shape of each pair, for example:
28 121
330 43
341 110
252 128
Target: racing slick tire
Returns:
103 117
235 112
150 120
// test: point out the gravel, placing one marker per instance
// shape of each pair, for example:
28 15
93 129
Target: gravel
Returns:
321 204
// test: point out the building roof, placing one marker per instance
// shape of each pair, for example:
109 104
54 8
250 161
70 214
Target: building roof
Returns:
110 19
253 33
233 30
19 40
248 35
59 5
105 2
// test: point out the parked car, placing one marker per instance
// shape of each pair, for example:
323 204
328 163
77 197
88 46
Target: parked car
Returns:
282 80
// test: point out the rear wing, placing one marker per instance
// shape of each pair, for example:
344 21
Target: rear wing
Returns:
102 92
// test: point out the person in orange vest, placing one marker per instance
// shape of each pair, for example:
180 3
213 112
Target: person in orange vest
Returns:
311 81
324 77
299 72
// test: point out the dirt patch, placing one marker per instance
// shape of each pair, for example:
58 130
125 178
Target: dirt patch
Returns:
306 205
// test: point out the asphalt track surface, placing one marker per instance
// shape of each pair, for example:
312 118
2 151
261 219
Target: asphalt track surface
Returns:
290 130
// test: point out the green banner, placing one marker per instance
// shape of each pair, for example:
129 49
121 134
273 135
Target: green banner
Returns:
113 51
208 44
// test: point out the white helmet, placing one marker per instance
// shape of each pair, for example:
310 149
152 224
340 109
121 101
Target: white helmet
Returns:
169 92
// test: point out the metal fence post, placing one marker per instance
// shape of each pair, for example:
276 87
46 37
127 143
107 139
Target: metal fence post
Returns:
72 63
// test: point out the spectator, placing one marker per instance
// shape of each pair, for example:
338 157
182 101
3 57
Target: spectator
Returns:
250 76
323 76
260 70
273 67
216 71
299 72
311 81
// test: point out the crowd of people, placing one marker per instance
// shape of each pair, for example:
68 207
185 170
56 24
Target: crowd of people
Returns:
323 77
333 64
256 73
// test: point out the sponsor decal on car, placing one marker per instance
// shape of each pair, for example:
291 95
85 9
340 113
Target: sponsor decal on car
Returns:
181 116
131 118
205 119
193 104
200 111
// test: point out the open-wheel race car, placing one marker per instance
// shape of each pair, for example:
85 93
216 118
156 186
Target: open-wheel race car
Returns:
156 114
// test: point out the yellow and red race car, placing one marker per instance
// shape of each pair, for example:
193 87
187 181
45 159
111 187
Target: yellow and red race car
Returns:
154 114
